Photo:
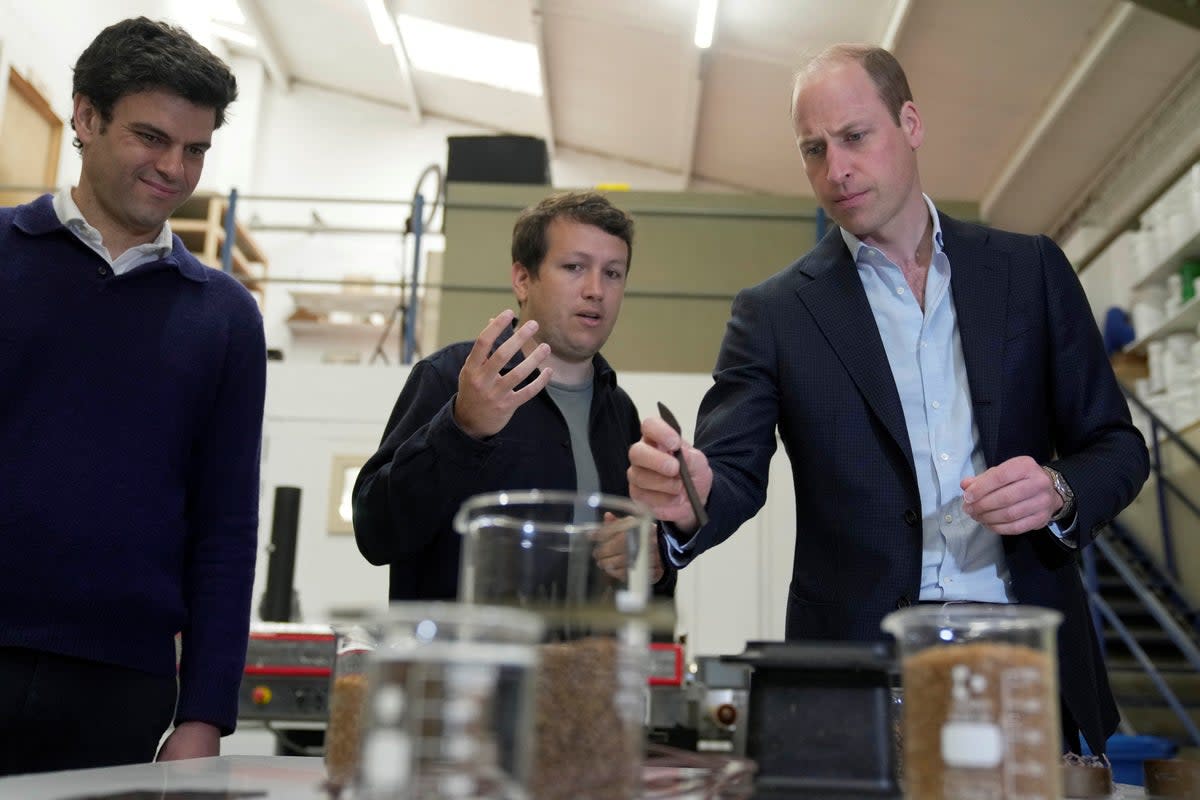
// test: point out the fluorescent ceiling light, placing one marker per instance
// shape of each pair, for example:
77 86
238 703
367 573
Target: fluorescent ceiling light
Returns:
234 35
379 18
227 11
471 56
706 22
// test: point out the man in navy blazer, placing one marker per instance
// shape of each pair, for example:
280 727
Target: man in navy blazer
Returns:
954 428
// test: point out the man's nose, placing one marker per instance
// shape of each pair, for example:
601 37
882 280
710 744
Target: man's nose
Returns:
170 162
837 165
593 284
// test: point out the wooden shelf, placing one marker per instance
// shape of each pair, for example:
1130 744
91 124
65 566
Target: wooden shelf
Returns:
200 224
1184 321
323 328
361 304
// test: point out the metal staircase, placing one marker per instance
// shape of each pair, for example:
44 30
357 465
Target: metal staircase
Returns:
1150 630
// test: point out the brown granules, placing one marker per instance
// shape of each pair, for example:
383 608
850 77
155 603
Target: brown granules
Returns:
981 723
587 749
344 731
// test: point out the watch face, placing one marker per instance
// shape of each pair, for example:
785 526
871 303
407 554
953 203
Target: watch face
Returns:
1064 491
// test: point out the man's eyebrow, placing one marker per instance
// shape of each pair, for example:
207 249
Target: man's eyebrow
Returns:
841 131
146 127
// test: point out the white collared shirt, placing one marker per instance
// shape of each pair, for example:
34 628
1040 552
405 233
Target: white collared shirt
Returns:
72 218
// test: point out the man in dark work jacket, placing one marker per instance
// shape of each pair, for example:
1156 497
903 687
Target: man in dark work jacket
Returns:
528 406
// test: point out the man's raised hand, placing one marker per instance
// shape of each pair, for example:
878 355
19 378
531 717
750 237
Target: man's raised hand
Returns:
486 398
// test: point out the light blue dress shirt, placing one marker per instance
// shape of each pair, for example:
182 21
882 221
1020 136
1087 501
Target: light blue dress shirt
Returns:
960 558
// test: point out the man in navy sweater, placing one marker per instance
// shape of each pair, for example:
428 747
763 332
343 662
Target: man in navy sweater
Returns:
131 400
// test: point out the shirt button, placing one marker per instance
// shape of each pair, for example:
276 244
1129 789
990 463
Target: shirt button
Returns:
936 404
945 456
899 290
948 518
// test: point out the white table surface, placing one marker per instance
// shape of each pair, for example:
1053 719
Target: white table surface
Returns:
281 777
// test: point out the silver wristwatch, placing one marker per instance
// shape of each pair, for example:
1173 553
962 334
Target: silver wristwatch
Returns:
1064 491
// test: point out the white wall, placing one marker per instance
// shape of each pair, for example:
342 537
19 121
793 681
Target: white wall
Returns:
43 39
231 161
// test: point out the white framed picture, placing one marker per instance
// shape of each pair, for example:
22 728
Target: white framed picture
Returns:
343 471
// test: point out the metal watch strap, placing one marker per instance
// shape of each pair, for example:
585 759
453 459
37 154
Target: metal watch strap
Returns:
1064 491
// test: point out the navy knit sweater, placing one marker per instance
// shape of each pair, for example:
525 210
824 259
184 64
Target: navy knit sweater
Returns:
130 427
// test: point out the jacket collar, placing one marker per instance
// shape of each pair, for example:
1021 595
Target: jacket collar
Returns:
838 304
602 372
979 283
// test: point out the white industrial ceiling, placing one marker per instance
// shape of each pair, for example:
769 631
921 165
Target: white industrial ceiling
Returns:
1025 102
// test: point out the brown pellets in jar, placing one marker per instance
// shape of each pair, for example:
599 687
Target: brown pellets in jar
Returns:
586 747
981 722
344 731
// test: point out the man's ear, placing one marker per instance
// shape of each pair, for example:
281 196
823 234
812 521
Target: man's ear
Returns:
88 121
520 282
911 124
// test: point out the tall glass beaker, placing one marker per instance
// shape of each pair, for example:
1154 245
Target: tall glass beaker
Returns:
450 703
583 563
981 707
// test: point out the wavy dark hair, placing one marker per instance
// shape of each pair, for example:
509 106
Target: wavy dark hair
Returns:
588 207
139 55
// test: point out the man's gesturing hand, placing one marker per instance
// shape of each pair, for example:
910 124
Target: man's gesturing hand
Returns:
486 399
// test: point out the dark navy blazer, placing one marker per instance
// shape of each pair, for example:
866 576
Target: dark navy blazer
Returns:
802 352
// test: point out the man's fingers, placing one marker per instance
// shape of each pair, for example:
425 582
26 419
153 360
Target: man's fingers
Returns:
513 378
487 337
1019 516
647 456
658 491
1014 470
526 393
659 434
516 342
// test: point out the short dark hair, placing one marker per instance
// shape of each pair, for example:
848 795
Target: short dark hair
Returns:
588 207
880 65
139 55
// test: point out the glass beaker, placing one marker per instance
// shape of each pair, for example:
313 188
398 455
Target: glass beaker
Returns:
354 643
450 706
981 707
553 553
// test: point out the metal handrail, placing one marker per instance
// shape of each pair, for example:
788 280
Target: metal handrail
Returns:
1174 631
1161 423
1147 665
1162 483
1183 639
